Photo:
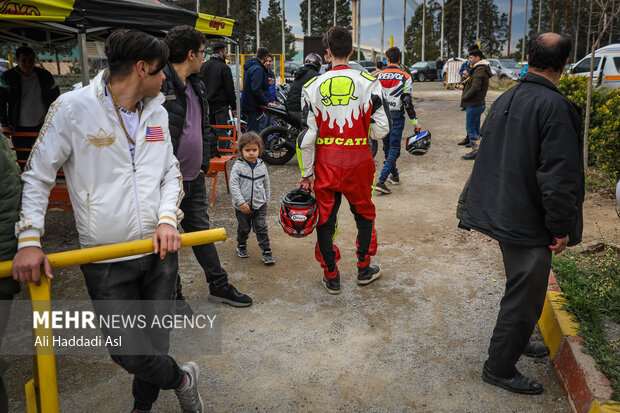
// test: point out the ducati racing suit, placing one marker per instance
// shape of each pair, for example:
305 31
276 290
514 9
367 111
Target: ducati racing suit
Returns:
342 109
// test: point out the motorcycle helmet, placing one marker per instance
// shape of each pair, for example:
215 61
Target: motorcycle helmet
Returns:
299 213
419 144
315 60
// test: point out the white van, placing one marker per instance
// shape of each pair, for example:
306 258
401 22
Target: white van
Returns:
606 66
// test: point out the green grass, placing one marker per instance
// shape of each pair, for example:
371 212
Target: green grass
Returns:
591 284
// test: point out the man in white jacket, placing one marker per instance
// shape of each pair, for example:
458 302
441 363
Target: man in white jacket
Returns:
112 141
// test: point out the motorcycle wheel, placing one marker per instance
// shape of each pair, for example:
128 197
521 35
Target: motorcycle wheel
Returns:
374 146
278 150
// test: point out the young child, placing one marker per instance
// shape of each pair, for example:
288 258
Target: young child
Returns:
249 187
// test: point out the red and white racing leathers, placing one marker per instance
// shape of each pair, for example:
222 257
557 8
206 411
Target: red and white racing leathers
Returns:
337 108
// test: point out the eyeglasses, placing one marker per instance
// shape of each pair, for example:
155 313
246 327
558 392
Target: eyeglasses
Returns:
200 51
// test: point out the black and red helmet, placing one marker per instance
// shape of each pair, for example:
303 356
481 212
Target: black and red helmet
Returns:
314 59
299 213
419 144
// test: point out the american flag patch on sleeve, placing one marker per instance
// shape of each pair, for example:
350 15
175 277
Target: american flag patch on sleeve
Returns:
154 134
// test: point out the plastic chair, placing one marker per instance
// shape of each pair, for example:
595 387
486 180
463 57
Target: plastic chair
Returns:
219 164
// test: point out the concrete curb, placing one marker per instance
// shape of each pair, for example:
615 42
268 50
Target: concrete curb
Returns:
586 388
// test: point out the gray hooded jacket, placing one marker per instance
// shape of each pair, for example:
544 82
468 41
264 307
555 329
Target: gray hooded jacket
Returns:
249 185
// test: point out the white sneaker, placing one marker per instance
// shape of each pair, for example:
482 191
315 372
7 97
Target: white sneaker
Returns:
190 399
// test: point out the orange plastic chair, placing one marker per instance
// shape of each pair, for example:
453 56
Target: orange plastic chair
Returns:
218 164
59 195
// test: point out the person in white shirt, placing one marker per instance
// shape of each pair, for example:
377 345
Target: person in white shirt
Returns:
112 141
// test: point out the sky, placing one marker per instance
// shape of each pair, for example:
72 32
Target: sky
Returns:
371 18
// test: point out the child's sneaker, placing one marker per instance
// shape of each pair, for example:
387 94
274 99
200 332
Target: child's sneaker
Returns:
268 258
242 251
394 180
190 399
382 187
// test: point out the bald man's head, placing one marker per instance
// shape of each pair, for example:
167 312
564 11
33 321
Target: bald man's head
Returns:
548 51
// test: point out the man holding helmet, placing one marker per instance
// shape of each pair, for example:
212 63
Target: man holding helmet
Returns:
335 157
398 87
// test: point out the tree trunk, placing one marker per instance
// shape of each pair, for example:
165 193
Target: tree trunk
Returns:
509 29
588 102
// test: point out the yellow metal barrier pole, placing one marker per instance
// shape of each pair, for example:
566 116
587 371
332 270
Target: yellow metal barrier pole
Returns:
124 249
44 385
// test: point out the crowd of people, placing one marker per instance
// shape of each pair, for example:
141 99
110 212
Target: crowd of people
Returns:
143 176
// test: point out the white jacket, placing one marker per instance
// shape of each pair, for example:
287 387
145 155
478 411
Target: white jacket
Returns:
113 199
249 185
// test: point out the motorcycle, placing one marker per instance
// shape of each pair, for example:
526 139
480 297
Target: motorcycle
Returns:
280 138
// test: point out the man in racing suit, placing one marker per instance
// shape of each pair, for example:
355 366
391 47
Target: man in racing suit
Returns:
397 86
335 157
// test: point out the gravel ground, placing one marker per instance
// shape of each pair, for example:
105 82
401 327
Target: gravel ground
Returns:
414 340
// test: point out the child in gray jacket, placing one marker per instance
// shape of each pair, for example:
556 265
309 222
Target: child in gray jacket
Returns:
249 187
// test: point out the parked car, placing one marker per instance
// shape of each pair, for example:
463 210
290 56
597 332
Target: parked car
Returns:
505 68
291 68
367 64
357 66
352 65
606 66
422 71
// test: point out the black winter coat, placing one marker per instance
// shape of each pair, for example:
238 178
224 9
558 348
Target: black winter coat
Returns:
217 77
528 184
255 86
176 105
303 75
11 92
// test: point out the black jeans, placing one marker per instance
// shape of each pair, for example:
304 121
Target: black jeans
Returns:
137 282
218 115
257 220
527 275
194 207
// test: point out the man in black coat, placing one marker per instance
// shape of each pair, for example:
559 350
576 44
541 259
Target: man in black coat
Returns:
26 93
218 79
192 142
311 68
526 191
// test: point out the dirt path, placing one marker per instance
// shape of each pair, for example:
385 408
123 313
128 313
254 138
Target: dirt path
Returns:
413 341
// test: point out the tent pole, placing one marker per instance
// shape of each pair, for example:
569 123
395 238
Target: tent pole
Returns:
83 56
237 87
257 25
57 61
